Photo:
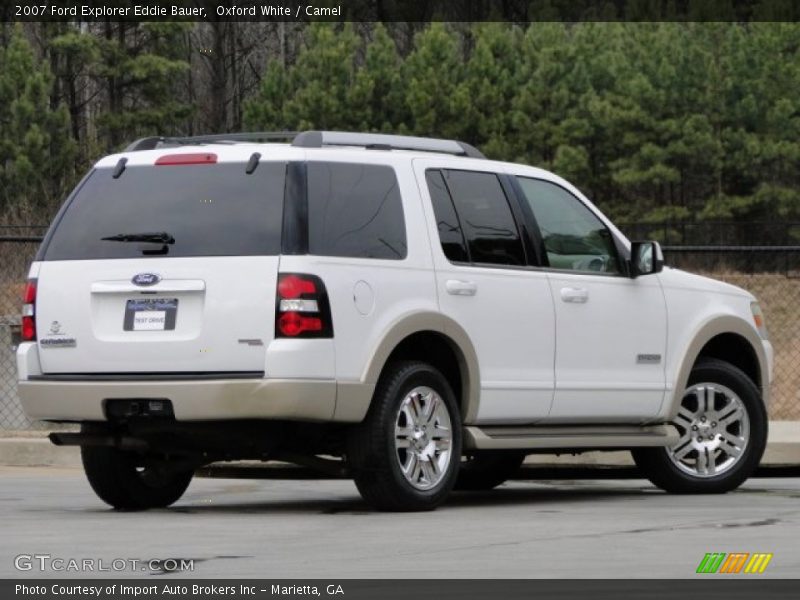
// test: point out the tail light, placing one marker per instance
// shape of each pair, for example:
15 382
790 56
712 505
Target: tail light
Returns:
28 325
301 307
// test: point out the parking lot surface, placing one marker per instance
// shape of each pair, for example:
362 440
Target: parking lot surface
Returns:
322 529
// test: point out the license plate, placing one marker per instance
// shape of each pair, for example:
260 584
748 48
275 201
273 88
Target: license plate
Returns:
151 314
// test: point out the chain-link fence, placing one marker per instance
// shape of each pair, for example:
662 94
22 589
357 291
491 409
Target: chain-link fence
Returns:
17 248
771 273
716 233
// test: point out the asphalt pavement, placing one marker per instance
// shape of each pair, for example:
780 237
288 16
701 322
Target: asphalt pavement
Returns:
586 528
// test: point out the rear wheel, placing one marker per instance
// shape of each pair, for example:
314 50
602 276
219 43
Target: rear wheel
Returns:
723 432
487 470
129 481
405 455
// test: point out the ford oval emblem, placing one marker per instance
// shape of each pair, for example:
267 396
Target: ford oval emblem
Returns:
145 279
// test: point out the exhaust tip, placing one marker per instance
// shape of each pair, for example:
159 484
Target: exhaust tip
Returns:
56 439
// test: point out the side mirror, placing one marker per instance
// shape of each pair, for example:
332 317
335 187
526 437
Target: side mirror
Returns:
646 259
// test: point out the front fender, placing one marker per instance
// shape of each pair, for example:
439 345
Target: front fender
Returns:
707 331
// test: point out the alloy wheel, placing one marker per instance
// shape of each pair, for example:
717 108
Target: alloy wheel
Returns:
714 427
423 438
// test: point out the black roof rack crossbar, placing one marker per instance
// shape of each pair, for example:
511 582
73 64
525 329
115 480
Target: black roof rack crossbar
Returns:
151 143
318 139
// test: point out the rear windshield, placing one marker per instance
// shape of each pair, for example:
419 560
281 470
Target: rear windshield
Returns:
209 210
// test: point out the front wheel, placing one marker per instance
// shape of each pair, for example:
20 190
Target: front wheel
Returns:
723 433
128 481
405 455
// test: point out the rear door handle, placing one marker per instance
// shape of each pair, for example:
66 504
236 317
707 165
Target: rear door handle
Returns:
574 295
457 287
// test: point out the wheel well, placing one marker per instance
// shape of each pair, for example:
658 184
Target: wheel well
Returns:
736 350
440 352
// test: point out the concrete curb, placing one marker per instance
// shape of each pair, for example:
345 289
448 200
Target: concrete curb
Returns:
36 452
33 449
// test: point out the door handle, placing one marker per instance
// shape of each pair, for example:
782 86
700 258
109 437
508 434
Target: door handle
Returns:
575 295
457 287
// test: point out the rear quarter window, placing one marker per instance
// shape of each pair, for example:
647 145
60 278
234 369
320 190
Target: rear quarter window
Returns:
210 210
355 210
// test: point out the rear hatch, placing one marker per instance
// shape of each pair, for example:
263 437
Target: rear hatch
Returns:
163 269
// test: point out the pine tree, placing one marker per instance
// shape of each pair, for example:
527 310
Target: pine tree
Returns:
542 97
762 125
490 84
378 89
36 151
317 92
321 81
138 67
435 99
264 112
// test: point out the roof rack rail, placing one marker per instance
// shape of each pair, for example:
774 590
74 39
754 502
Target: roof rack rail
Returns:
318 139
380 141
147 143
151 143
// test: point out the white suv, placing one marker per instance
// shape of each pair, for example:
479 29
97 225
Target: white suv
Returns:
400 309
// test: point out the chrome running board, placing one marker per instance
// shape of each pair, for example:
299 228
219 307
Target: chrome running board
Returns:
557 436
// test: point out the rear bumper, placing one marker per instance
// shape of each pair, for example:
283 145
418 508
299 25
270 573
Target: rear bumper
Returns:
219 399
292 398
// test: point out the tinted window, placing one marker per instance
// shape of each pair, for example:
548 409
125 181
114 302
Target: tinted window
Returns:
355 211
450 234
486 218
574 238
210 210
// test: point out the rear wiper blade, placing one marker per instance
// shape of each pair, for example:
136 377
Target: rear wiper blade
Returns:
160 237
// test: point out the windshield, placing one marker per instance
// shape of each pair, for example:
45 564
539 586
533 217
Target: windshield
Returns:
209 210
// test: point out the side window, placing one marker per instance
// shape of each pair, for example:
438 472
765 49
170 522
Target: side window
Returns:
486 219
574 238
355 211
450 234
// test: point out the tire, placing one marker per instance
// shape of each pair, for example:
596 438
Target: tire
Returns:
118 479
487 470
375 452
734 457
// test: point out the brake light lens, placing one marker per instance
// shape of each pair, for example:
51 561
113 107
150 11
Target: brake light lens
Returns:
292 286
301 307
171 160
28 324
